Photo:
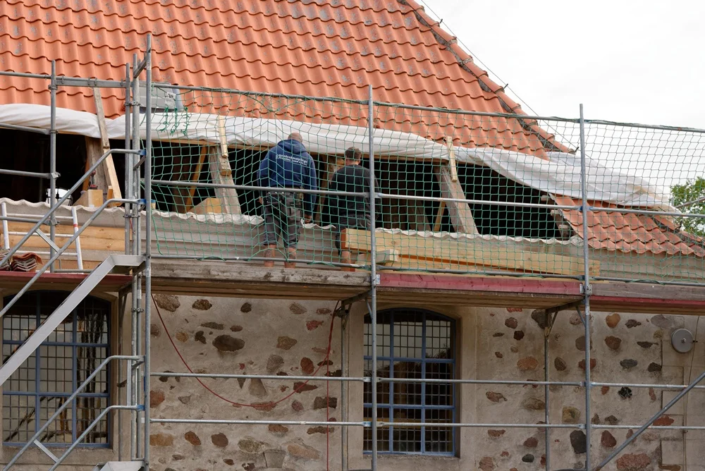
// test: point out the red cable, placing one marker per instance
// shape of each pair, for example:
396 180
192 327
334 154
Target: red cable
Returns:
325 361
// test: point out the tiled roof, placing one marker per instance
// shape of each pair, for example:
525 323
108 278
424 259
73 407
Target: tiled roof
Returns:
628 232
299 47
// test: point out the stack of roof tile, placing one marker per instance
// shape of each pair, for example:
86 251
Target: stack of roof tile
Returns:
26 262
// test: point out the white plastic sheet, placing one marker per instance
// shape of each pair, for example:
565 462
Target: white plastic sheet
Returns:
559 176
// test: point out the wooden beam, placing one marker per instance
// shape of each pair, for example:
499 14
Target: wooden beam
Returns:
463 252
195 177
89 232
221 173
451 159
94 150
90 199
460 213
208 206
108 164
439 216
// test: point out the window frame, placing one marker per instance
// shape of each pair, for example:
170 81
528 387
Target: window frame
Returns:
424 361
37 392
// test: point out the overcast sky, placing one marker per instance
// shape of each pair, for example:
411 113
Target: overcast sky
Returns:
625 60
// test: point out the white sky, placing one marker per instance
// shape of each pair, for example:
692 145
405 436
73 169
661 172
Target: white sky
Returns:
625 60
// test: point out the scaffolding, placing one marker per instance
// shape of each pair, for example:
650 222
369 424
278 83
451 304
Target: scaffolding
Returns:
174 131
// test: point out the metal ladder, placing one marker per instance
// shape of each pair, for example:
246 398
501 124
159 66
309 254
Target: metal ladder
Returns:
127 263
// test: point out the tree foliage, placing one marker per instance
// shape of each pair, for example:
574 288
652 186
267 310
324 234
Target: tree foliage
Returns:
685 193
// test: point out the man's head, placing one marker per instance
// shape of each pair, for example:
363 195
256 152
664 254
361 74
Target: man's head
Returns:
353 156
295 136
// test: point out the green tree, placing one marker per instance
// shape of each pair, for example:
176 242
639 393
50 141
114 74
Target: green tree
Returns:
691 190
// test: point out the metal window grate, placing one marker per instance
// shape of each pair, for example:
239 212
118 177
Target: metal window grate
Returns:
43 382
412 343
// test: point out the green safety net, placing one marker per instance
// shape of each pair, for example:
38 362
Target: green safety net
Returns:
457 192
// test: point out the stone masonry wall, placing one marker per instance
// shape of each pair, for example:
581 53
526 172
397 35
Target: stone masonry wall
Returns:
256 336
625 348
221 335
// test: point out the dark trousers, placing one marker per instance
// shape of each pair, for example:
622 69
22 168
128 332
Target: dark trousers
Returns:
282 218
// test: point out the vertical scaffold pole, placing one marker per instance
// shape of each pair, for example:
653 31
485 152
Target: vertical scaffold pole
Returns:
546 393
373 277
52 160
587 290
129 161
136 280
343 395
148 246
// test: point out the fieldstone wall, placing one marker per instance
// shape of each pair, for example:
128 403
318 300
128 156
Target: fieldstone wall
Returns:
256 336
248 336
625 348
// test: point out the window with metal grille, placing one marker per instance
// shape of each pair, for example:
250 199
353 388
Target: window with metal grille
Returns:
45 380
412 343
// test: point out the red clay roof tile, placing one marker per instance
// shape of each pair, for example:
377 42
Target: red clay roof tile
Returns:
296 47
303 47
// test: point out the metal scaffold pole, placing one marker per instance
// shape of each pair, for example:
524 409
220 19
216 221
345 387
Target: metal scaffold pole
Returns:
547 431
343 394
52 162
148 245
373 276
586 291
136 280
129 160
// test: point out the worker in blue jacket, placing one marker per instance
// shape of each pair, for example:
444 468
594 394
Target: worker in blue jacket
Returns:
286 165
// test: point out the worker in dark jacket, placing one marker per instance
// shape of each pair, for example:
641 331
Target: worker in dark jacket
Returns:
349 212
286 165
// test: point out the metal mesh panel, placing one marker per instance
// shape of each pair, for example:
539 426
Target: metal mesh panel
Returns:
43 382
412 344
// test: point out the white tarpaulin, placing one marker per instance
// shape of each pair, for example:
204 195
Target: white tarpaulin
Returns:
560 175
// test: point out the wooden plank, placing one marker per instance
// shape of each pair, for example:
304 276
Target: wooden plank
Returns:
222 174
95 232
451 159
439 217
90 199
460 213
108 164
94 150
387 258
650 291
225 272
12 281
222 137
208 206
467 251
195 177
87 243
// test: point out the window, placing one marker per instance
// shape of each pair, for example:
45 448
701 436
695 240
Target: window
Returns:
412 343
44 381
